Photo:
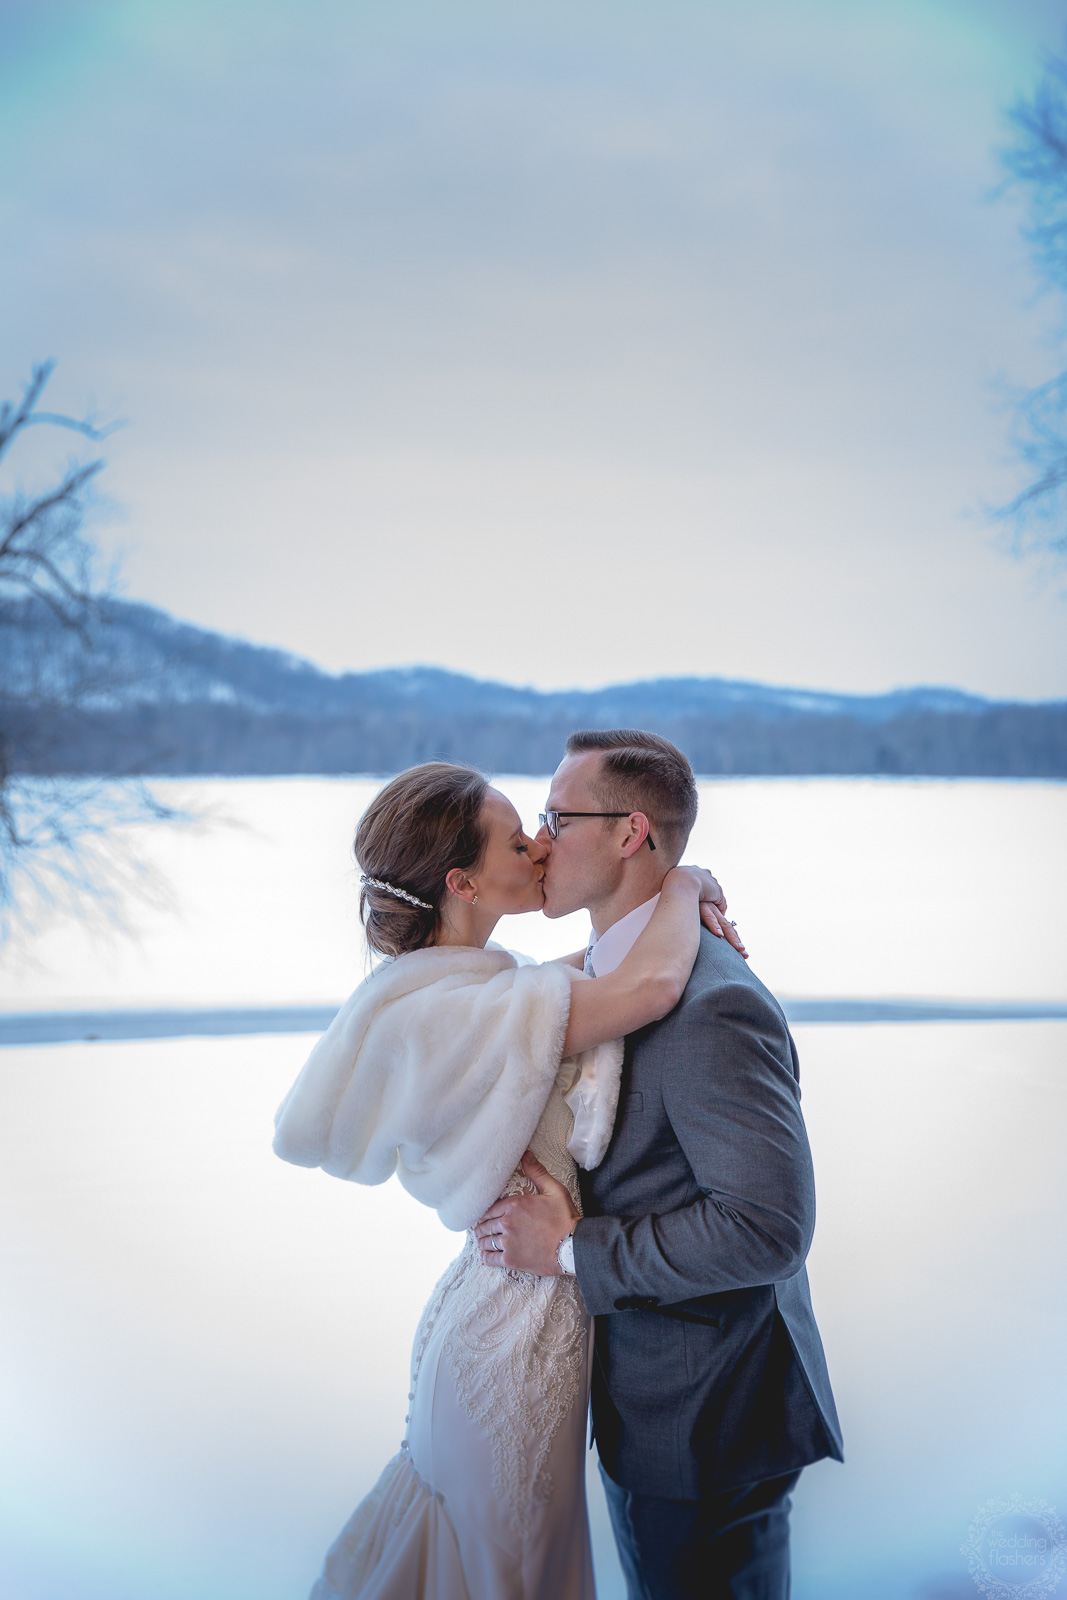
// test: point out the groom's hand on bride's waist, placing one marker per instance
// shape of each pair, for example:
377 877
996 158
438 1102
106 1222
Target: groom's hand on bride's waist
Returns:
525 1230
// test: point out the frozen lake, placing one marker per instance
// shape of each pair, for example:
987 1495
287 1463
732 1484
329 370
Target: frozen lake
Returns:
844 887
206 1350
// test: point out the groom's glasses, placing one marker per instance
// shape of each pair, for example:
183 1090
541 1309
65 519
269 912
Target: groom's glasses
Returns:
550 820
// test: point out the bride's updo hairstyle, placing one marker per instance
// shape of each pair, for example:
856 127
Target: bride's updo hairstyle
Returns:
421 825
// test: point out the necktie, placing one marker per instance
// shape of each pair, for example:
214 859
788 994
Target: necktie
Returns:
587 964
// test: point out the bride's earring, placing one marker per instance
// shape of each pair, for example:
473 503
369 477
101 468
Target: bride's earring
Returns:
474 902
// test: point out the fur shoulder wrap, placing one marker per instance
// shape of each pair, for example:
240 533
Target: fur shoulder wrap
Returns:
438 1068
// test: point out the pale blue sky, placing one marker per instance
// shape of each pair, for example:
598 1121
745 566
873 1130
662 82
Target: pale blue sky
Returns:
560 343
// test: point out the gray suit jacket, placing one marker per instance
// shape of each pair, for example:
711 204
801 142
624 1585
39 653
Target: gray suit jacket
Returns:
709 1371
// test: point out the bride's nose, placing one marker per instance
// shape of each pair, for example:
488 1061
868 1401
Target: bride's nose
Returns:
540 849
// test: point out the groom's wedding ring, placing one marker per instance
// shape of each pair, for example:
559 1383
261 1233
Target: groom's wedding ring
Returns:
496 1243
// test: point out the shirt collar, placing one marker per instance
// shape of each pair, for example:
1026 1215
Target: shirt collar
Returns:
616 942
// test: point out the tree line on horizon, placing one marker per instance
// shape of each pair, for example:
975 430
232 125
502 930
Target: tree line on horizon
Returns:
185 739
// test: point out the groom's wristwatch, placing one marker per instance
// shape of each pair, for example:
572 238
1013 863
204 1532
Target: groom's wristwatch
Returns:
565 1254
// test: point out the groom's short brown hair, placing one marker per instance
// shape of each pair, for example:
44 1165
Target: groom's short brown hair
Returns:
644 772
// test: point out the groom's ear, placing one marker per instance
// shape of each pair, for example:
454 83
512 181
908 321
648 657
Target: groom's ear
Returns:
639 830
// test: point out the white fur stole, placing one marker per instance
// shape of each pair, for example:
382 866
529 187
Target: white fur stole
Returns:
438 1068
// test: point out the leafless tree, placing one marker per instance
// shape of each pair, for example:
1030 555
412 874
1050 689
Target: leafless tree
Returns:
65 842
1037 166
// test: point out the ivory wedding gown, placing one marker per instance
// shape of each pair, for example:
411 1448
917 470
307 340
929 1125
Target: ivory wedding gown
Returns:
486 1498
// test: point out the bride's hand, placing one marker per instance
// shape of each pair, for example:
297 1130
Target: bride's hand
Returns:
713 907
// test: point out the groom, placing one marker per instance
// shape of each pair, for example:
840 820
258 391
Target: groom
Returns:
710 1390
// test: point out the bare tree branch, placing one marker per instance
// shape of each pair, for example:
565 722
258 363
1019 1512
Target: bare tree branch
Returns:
65 842
13 418
1037 166
1037 162
37 510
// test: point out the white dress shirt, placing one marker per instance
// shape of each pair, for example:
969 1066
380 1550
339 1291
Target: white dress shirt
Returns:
616 942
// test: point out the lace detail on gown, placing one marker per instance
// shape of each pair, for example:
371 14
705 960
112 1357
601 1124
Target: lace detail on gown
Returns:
517 1343
515 1347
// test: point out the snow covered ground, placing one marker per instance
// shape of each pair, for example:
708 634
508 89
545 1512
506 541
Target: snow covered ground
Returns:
205 1350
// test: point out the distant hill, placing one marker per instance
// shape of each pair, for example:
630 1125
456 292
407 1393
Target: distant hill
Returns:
160 696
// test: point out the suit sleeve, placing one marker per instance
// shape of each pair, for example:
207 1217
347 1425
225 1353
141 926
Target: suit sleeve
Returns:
733 1102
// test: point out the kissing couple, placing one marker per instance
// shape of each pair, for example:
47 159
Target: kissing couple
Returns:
619 1133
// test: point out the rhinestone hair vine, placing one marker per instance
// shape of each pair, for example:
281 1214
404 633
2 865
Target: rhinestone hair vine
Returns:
401 894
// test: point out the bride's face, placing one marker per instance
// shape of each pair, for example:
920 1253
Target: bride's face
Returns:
510 876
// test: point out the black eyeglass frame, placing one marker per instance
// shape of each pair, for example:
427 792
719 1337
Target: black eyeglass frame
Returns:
553 826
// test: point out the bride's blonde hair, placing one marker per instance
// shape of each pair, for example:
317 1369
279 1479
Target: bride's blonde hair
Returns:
421 825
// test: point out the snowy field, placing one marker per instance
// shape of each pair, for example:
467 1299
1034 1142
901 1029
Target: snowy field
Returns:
205 1350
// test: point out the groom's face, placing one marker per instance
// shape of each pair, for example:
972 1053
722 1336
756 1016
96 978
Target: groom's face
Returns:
585 865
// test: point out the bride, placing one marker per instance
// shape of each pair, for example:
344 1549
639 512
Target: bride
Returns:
463 1069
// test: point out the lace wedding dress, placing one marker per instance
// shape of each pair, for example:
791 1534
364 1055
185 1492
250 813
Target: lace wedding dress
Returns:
442 1067
486 1498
